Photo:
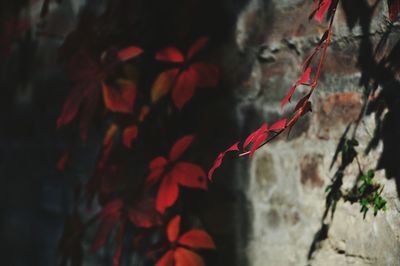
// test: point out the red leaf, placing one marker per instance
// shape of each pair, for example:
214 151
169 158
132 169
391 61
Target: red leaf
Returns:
253 136
184 87
258 142
219 159
180 147
278 125
322 8
167 193
129 53
394 9
173 228
120 99
156 170
144 214
197 46
163 84
158 162
167 259
130 133
207 74
189 175
153 177
306 77
197 239
288 96
184 257
170 54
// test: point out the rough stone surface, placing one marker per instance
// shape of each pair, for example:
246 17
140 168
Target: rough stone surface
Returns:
287 183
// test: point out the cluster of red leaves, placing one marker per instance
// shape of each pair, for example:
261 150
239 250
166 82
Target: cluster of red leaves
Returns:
174 174
88 74
141 214
90 77
179 253
184 79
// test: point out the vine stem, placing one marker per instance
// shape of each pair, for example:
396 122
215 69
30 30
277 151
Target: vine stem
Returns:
314 84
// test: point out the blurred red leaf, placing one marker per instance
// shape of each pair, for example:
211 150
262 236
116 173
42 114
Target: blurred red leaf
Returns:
196 238
143 213
197 46
173 228
129 53
184 87
167 193
167 259
184 257
180 147
120 99
170 54
190 175
130 133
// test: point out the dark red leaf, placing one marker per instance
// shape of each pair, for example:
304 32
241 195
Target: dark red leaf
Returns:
218 161
167 193
184 257
207 74
189 175
144 214
163 84
130 133
180 147
158 162
167 259
184 87
153 177
196 238
112 209
129 53
173 228
197 46
120 99
170 54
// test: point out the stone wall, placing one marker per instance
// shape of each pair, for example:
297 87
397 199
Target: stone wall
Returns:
288 178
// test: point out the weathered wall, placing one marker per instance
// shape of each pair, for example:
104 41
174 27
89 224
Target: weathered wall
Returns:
288 177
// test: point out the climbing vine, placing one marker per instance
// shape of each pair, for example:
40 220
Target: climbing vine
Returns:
114 91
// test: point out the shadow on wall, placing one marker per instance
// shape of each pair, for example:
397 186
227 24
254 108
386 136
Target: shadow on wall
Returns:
379 67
